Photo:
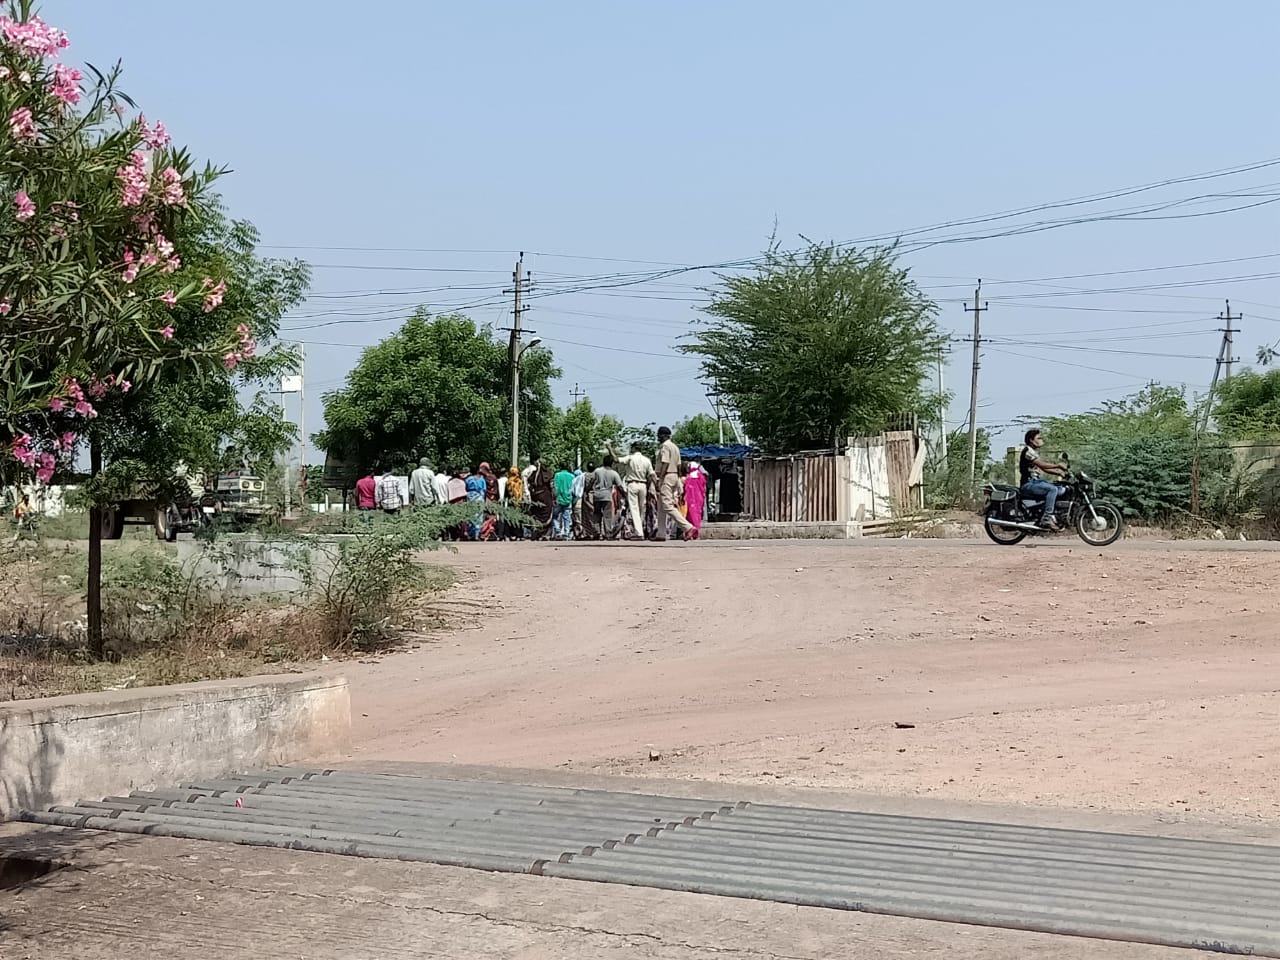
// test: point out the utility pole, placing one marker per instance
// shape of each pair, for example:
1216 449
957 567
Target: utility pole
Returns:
302 424
714 397
942 412
977 310
520 281
1228 340
577 393
288 498
1222 365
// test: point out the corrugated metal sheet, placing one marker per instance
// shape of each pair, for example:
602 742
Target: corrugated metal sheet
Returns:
1222 897
798 489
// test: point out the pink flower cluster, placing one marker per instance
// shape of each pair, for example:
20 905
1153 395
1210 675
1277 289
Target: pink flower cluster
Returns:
23 453
173 194
75 397
158 253
133 180
24 206
34 38
155 138
214 294
66 84
22 125
245 351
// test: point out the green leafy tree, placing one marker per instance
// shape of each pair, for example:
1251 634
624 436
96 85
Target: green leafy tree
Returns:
1248 406
818 345
1141 451
193 422
579 434
700 430
91 271
646 437
438 388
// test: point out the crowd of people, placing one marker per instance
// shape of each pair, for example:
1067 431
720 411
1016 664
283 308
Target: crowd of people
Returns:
625 497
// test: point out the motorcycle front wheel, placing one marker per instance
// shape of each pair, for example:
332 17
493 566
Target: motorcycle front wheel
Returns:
1105 530
1005 536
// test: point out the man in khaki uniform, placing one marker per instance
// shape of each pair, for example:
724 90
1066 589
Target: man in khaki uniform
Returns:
669 484
638 476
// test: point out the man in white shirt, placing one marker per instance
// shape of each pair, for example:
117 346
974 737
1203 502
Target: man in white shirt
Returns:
422 492
440 486
637 475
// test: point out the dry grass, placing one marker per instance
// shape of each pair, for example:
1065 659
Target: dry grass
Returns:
160 629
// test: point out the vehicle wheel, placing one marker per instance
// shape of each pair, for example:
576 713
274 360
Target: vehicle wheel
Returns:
112 523
171 522
1005 536
1107 535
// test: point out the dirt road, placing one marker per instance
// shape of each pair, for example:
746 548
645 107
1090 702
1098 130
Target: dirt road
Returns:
1138 678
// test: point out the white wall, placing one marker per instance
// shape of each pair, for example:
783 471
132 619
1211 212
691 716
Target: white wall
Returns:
868 485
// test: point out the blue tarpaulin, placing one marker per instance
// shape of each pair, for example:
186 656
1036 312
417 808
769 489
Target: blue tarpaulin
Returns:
713 451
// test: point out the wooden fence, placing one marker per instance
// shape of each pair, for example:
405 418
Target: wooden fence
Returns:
799 489
874 477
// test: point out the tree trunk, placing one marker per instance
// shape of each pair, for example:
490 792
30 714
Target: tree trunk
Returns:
94 611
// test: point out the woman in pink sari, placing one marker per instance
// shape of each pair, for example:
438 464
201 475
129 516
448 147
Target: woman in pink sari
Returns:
695 496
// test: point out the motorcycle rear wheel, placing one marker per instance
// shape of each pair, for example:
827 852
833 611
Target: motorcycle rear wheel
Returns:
1005 536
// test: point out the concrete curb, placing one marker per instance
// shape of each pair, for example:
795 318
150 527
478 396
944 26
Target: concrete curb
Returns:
58 749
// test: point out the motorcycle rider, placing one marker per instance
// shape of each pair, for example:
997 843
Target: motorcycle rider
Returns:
1032 482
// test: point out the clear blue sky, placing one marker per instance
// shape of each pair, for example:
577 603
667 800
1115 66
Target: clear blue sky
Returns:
678 132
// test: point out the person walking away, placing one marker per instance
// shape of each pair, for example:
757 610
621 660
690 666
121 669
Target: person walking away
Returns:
540 488
669 484
492 489
390 499
695 496
1033 484
457 486
476 491
456 493
637 475
564 504
514 498
440 486
422 485
605 481
579 492
366 492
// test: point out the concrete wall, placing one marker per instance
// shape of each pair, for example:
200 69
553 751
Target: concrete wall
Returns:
64 749
246 565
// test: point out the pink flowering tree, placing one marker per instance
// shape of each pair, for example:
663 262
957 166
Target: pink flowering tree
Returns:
94 200
90 276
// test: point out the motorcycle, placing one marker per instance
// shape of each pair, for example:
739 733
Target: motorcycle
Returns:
1009 515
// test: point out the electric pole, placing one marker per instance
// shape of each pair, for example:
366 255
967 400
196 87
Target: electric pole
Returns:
520 279
977 310
1228 340
1226 357
942 413
577 393
714 397
302 424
